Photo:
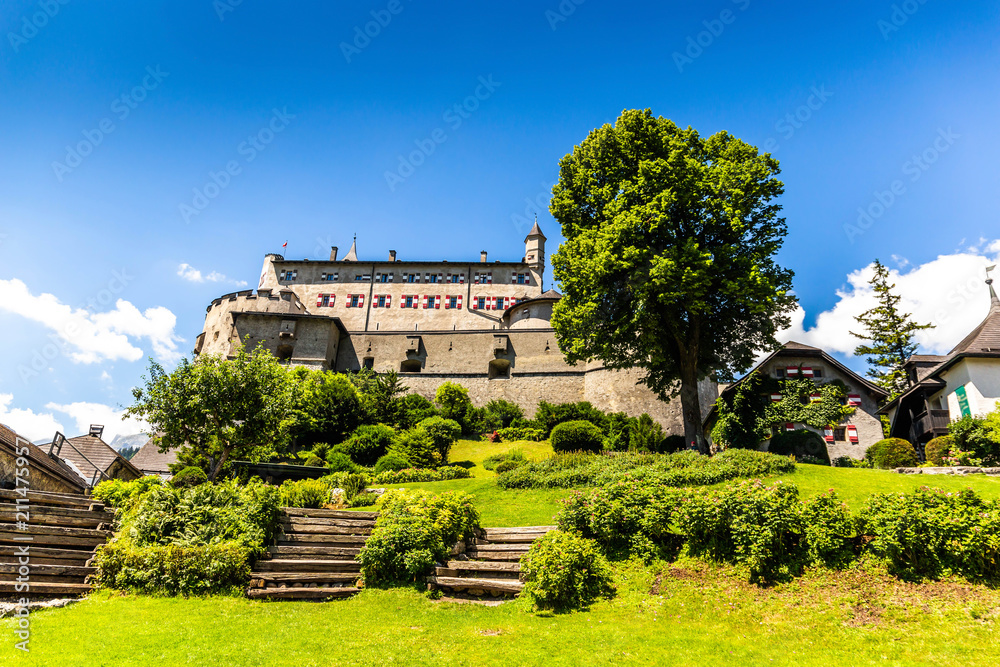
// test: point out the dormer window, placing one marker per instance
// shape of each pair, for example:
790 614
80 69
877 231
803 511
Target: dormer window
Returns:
288 276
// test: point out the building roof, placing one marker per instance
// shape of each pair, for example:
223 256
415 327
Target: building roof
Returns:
151 461
985 337
535 231
793 348
352 254
11 441
550 295
87 453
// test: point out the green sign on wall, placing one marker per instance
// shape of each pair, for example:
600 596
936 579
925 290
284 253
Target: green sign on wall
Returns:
963 401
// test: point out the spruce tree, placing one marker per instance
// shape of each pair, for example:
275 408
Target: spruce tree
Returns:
890 336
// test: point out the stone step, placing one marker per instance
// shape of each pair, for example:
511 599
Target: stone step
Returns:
301 593
328 514
308 565
505 586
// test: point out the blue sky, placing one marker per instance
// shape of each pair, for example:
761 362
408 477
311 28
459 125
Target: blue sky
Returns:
93 184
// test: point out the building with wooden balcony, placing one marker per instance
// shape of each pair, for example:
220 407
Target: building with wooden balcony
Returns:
964 382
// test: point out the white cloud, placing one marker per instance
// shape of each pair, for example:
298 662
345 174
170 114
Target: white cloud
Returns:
193 275
88 337
31 425
949 292
84 414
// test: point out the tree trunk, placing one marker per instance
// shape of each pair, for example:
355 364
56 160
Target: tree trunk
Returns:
218 466
694 432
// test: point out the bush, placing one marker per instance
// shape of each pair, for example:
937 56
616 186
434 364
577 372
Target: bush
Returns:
366 499
746 523
311 493
417 445
505 411
392 461
340 462
577 436
443 434
413 531
507 466
314 461
368 443
938 448
453 400
830 530
411 475
977 437
548 415
798 444
646 435
120 495
190 476
351 483
565 571
514 455
892 453
416 408
516 433
850 462
174 570
931 533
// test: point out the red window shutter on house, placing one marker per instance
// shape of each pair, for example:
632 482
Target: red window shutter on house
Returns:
828 434
489 278
513 279
427 301
461 279
815 398
437 301
792 370
852 434
447 302
459 305
388 300
361 301
776 398
854 400
807 372
789 426
319 301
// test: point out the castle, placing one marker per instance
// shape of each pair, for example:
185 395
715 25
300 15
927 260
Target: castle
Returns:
483 325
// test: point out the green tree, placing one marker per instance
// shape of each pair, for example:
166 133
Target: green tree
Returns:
215 409
453 400
668 264
741 422
890 336
327 407
443 433
381 397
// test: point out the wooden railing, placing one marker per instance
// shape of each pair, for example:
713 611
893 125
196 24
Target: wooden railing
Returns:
932 421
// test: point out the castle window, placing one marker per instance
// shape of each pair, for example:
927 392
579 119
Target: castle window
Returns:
817 372
410 366
456 278
840 434
383 277
411 277
369 363
519 279
779 373
288 276
481 303
453 302
433 277
409 302
363 277
330 277
484 278
355 300
325 300
382 301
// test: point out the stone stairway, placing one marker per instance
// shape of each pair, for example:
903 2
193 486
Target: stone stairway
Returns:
60 532
314 558
489 568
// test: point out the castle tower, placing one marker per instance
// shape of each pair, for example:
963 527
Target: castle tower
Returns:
268 274
534 254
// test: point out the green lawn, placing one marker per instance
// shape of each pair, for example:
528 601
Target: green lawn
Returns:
681 614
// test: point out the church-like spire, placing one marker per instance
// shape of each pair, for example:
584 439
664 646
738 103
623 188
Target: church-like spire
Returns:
352 254
536 231
994 300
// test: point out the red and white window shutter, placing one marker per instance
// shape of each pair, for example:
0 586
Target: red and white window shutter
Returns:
828 434
459 306
427 298
852 434
789 426
437 301
792 371
854 400
388 300
807 372
361 301
447 301
815 398
776 398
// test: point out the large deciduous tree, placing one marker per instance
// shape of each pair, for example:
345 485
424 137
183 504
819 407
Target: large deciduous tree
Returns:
668 264
890 335
215 409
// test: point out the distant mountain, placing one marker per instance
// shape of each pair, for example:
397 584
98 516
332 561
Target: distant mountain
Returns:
122 441
128 452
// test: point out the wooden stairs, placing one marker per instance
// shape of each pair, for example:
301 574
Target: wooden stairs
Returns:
314 558
60 532
490 566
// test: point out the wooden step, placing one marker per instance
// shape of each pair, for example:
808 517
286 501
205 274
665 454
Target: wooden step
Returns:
328 514
301 593
488 585
267 579
310 529
55 499
46 555
52 510
36 518
472 574
53 536
483 566
495 555
296 539
307 565
338 523
44 589
518 529
7 569
311 552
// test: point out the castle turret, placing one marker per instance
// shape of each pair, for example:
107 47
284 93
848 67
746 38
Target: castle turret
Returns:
534 255
268 276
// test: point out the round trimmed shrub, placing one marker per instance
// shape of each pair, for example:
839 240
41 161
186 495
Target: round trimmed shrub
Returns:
509 464
892 453
799 443
938 448
340 462
314 462
577 436
368 443
565 571
190 476
392 461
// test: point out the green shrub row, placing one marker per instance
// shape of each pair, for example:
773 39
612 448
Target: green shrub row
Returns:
774 534
174 570
685 468
410 475
519 433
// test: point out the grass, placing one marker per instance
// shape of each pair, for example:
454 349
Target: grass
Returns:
686 613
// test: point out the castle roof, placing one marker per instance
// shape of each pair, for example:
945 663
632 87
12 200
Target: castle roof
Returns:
536 231
151 461
352 254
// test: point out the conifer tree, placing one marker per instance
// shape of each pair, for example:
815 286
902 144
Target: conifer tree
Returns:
890 336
